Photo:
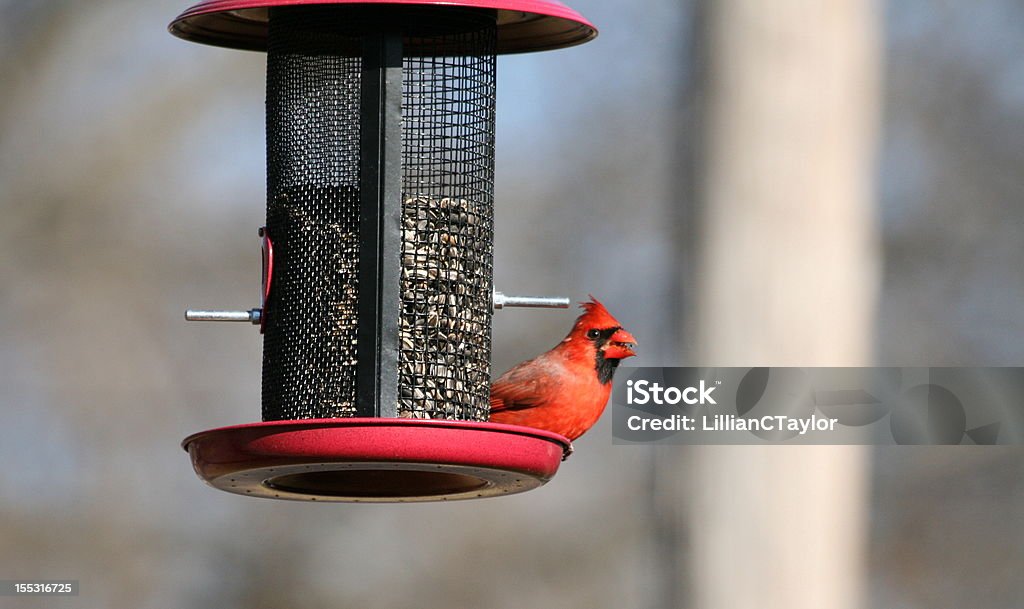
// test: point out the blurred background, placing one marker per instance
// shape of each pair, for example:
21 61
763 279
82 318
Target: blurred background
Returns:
741 183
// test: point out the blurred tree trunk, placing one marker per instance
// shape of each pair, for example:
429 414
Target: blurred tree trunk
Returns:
786 274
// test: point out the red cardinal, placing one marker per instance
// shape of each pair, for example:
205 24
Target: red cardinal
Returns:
566 389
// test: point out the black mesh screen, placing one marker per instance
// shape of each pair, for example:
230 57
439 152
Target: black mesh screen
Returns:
448 186
313 139
309 348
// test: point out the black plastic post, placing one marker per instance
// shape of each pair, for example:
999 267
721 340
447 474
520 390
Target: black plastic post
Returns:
380 219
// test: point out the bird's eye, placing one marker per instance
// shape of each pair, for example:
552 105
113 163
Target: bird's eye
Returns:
595 333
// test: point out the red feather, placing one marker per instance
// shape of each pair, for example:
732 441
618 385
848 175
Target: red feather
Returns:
560 390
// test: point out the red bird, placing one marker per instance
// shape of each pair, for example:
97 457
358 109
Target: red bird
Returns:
566 389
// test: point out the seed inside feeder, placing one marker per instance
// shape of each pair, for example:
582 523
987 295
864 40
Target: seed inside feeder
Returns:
444 356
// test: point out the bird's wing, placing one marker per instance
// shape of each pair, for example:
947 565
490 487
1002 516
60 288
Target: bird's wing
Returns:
526 386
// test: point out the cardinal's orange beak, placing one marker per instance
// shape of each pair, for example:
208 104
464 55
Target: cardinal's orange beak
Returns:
620 345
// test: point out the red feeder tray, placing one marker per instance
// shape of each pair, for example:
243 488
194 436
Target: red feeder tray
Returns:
523 25
376 460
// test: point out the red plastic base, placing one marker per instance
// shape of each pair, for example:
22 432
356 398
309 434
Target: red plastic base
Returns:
376 460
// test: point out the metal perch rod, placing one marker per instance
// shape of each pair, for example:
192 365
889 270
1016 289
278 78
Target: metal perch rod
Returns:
251 316
537 302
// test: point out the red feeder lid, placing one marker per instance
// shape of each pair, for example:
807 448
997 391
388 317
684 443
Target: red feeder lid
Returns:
523 25
375 460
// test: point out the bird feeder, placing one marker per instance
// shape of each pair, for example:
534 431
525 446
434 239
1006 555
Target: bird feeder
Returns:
377 290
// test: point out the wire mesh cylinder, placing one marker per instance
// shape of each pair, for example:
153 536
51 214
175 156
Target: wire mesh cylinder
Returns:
311 351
